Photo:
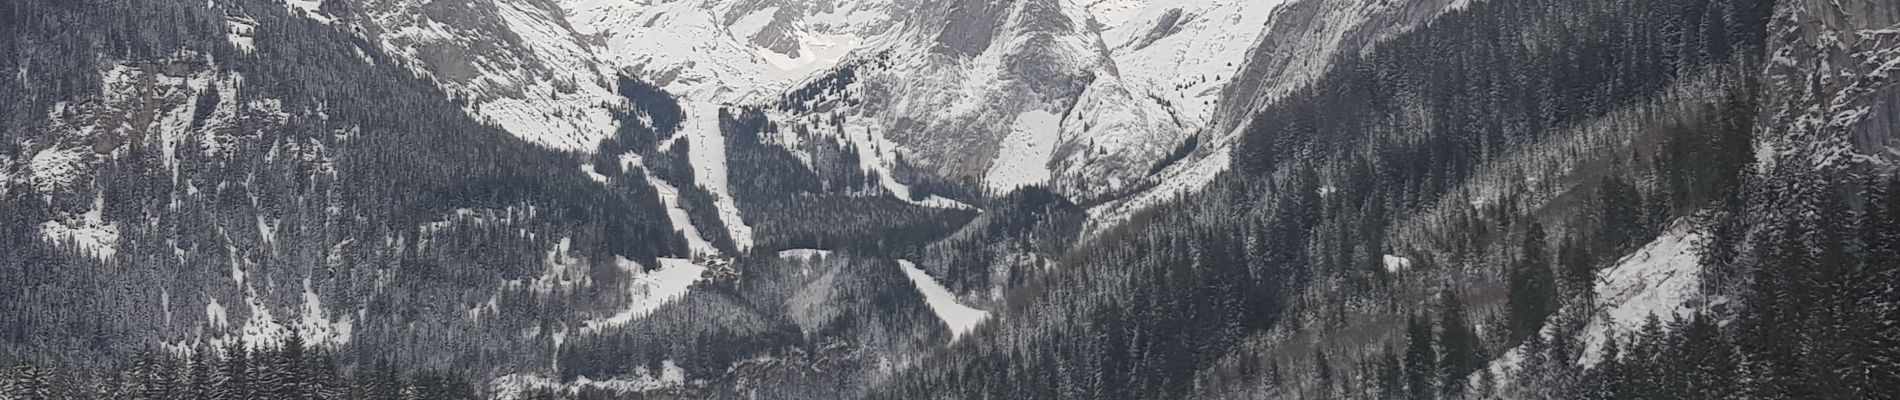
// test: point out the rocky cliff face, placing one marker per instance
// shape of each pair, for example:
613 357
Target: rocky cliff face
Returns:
1832 95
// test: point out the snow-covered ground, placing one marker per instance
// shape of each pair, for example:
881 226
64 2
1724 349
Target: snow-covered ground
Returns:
815 53
804 254
704 51
961 318
515 386
1023 159
650 289
1182 51
1394 264
669 196
309 8
242 33
708 155
316 326
89 232
1175 181
1661 280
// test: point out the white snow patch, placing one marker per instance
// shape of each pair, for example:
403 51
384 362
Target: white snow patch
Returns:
54 169
165 304
88 231
1394 264
593 174
1658 280
316 326
815 53
516 386
262 328
650 289
561 270
804 254
241 33
961 318
310 8
266 230
1023 159
1175 182
216 315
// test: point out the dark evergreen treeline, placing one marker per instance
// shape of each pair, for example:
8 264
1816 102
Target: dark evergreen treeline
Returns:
1485 81
1016 237
1133 314
792 206
233 371
1809 311
777 320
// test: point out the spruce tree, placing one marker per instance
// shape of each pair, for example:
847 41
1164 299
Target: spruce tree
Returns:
199 380
1421 360
1463 352
1532 292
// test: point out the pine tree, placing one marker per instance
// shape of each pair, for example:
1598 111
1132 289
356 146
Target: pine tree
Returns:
1611 379
1325 372
199 379
1879 289
1421 360
1622 213
1463 352
1705 361
293 383
1532 295
31 382
1391 375
234 380
1579 272
1648 369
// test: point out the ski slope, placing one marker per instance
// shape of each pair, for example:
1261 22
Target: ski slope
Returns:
961 318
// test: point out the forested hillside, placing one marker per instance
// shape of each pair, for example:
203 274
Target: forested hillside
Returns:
183 176
1616 199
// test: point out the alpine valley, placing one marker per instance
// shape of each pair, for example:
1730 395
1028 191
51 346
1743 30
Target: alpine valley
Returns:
949 199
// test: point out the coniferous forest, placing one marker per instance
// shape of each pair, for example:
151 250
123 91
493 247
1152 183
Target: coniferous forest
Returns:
1484 199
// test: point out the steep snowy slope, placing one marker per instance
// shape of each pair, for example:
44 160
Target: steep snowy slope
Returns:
547 70
1181 56
1184 52
1301 42
1087 97
517 63
726 52
993 95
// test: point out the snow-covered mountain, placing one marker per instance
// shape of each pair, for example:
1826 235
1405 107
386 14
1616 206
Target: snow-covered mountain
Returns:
1086 97
913 199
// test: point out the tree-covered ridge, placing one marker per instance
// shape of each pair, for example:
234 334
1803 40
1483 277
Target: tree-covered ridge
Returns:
235 371
310 177
1280 279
